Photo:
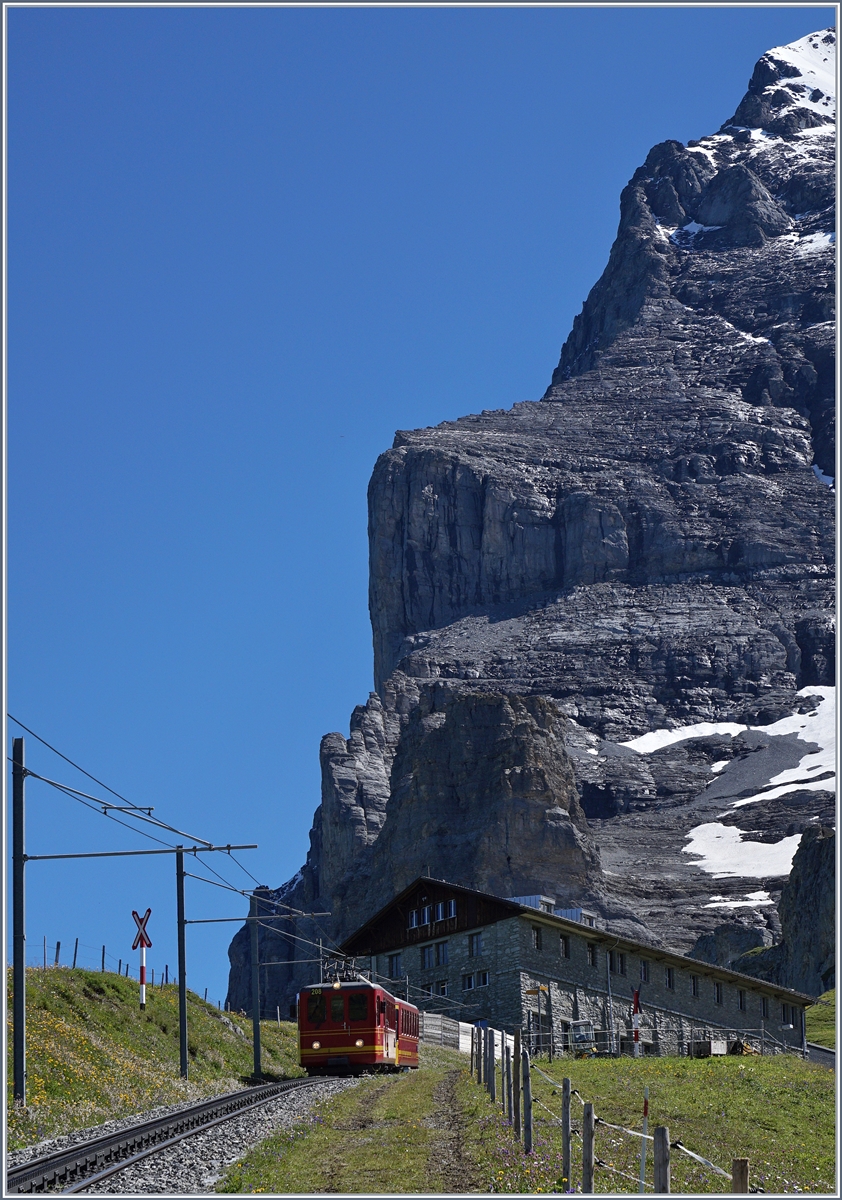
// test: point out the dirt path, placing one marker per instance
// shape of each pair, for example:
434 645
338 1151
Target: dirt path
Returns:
334 1165
448 1166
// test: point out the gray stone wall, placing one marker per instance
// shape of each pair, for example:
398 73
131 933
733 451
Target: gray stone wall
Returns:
577 989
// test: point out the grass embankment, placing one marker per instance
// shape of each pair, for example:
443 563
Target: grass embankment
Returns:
92 1055
435 1130
820 1019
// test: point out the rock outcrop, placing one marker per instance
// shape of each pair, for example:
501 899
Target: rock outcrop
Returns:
648 549
805 958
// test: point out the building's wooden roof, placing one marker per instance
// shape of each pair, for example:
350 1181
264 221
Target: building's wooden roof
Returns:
388 931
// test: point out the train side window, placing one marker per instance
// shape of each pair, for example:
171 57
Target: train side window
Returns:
315 1009
337 1008
357 1006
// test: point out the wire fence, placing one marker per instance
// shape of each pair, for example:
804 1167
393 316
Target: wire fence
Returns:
518 1101
78 955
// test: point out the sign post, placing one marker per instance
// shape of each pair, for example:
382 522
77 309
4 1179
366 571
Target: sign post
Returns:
142 940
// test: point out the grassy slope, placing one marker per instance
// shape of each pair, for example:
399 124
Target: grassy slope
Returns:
821 1020
92 1055
386 1135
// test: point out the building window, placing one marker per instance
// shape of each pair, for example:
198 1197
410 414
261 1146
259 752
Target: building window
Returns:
717 993
428 989
395 969
467 983
742 1000
644 971
426 914
441 954
785 1015
694 984
564 945
440 911
591 954
441 987
482 979
669 978
475 945
764 1007
428 957
537 940
616 962
451 908
413 918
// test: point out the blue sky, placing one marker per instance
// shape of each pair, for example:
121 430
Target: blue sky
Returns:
246 246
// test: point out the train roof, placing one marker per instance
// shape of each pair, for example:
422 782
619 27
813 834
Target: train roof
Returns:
356 983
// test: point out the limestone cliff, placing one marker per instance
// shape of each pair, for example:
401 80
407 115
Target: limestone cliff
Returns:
648 551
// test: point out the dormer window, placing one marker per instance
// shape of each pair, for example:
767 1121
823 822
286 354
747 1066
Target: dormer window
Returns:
413 918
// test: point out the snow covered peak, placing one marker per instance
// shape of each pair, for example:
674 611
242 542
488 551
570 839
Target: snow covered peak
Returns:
793 87
814 58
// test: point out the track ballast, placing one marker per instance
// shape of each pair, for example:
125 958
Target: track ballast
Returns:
86 1163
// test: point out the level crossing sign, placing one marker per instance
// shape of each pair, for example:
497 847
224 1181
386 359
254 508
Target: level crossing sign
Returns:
142 938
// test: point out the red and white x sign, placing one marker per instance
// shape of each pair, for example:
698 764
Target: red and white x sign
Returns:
142 938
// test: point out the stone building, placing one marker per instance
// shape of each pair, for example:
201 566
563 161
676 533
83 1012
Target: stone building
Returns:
514 964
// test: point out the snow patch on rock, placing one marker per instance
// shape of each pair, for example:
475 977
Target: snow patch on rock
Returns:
724 853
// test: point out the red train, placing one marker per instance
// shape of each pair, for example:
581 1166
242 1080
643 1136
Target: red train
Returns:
347 1028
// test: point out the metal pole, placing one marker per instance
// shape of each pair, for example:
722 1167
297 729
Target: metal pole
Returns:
644 1139
19 918
255 985
182 966
103 958
75 952
142 975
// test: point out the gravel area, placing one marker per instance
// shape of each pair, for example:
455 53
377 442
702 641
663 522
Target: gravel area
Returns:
193 1166
53 1145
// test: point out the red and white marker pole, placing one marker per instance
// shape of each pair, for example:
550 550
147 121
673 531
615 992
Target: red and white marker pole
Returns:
141 941
636 1021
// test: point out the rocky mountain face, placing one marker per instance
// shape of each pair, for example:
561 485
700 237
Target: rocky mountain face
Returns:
805 958
603 621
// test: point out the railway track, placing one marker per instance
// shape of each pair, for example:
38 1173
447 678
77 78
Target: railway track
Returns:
86 1163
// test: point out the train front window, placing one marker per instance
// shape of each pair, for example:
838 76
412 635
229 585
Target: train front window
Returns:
337 1008
315 1008
357 1006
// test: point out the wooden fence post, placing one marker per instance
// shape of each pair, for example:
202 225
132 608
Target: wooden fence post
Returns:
516 1084
662 1160
492 1069
509 1080
527 1102
480 1052
565 1131
739 1175
587 1149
